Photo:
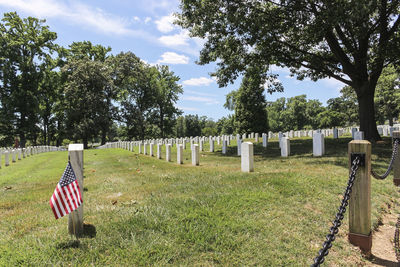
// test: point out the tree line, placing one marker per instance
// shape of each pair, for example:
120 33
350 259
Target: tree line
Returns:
49 93
253 113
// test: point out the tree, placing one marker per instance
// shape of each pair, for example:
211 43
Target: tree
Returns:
250 105
313 108
350 41
166 96
387 97
135 81
86 93
347 105
330 118
295 116
226 125
275 114
193 125
25 46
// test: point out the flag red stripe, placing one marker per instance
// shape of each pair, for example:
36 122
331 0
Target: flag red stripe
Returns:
72 195
56 214
66 199
58 205
77 189
55 206
60 201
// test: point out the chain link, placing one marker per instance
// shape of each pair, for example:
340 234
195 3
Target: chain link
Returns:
324 251
396 240
394 154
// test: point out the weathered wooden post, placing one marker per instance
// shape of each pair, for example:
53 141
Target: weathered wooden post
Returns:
396 163
75 218
360 199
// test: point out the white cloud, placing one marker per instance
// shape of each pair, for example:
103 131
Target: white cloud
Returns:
147 20
188 108
206 100
165 24
173 58
198 93
75 12
136 18
179 39
333 83
202 81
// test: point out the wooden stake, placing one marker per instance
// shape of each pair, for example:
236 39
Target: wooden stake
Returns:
360 199
396 163
75 218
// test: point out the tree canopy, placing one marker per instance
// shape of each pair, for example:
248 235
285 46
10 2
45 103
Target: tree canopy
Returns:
351 41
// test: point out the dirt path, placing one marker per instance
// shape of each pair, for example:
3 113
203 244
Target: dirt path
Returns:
382 243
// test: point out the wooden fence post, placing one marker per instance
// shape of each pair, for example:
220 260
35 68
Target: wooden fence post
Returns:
75 218
360 199
396 163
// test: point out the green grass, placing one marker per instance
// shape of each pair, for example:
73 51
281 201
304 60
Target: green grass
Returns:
169 214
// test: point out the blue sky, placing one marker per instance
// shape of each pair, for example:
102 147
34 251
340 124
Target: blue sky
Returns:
145 28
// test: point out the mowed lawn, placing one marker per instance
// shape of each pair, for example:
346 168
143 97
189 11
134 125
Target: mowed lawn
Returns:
142 211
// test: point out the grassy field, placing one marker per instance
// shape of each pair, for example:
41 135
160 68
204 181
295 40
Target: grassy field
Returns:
143 211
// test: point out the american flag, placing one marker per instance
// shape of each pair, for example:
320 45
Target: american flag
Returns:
67 195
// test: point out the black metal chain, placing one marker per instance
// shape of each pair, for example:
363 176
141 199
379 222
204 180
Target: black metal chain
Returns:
394 154
324 251
396 240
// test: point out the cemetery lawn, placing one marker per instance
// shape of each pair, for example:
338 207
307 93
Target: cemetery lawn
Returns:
143 211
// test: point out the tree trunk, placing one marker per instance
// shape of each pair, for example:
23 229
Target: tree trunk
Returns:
162 123
85 142
103 137
366 112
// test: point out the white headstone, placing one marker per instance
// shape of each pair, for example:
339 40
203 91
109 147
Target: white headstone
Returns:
247 157
318 145
195 155
335 133
179 154
211 145
265 140
359 135
285 147
168 152
224 146
6 158
158 151
151 150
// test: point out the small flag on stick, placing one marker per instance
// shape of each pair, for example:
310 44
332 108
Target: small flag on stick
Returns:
67 195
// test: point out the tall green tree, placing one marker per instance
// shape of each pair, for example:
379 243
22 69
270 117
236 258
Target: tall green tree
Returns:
86 92
387 97
347 40
275 111
167 92
26 43
137 91
250 105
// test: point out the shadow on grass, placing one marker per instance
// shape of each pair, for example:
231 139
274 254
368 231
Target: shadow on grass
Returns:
69 244
89 231
383 262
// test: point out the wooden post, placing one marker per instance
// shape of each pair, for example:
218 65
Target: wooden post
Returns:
360 199
75 218
396 163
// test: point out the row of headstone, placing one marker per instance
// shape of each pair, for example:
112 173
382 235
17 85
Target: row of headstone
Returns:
21 153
